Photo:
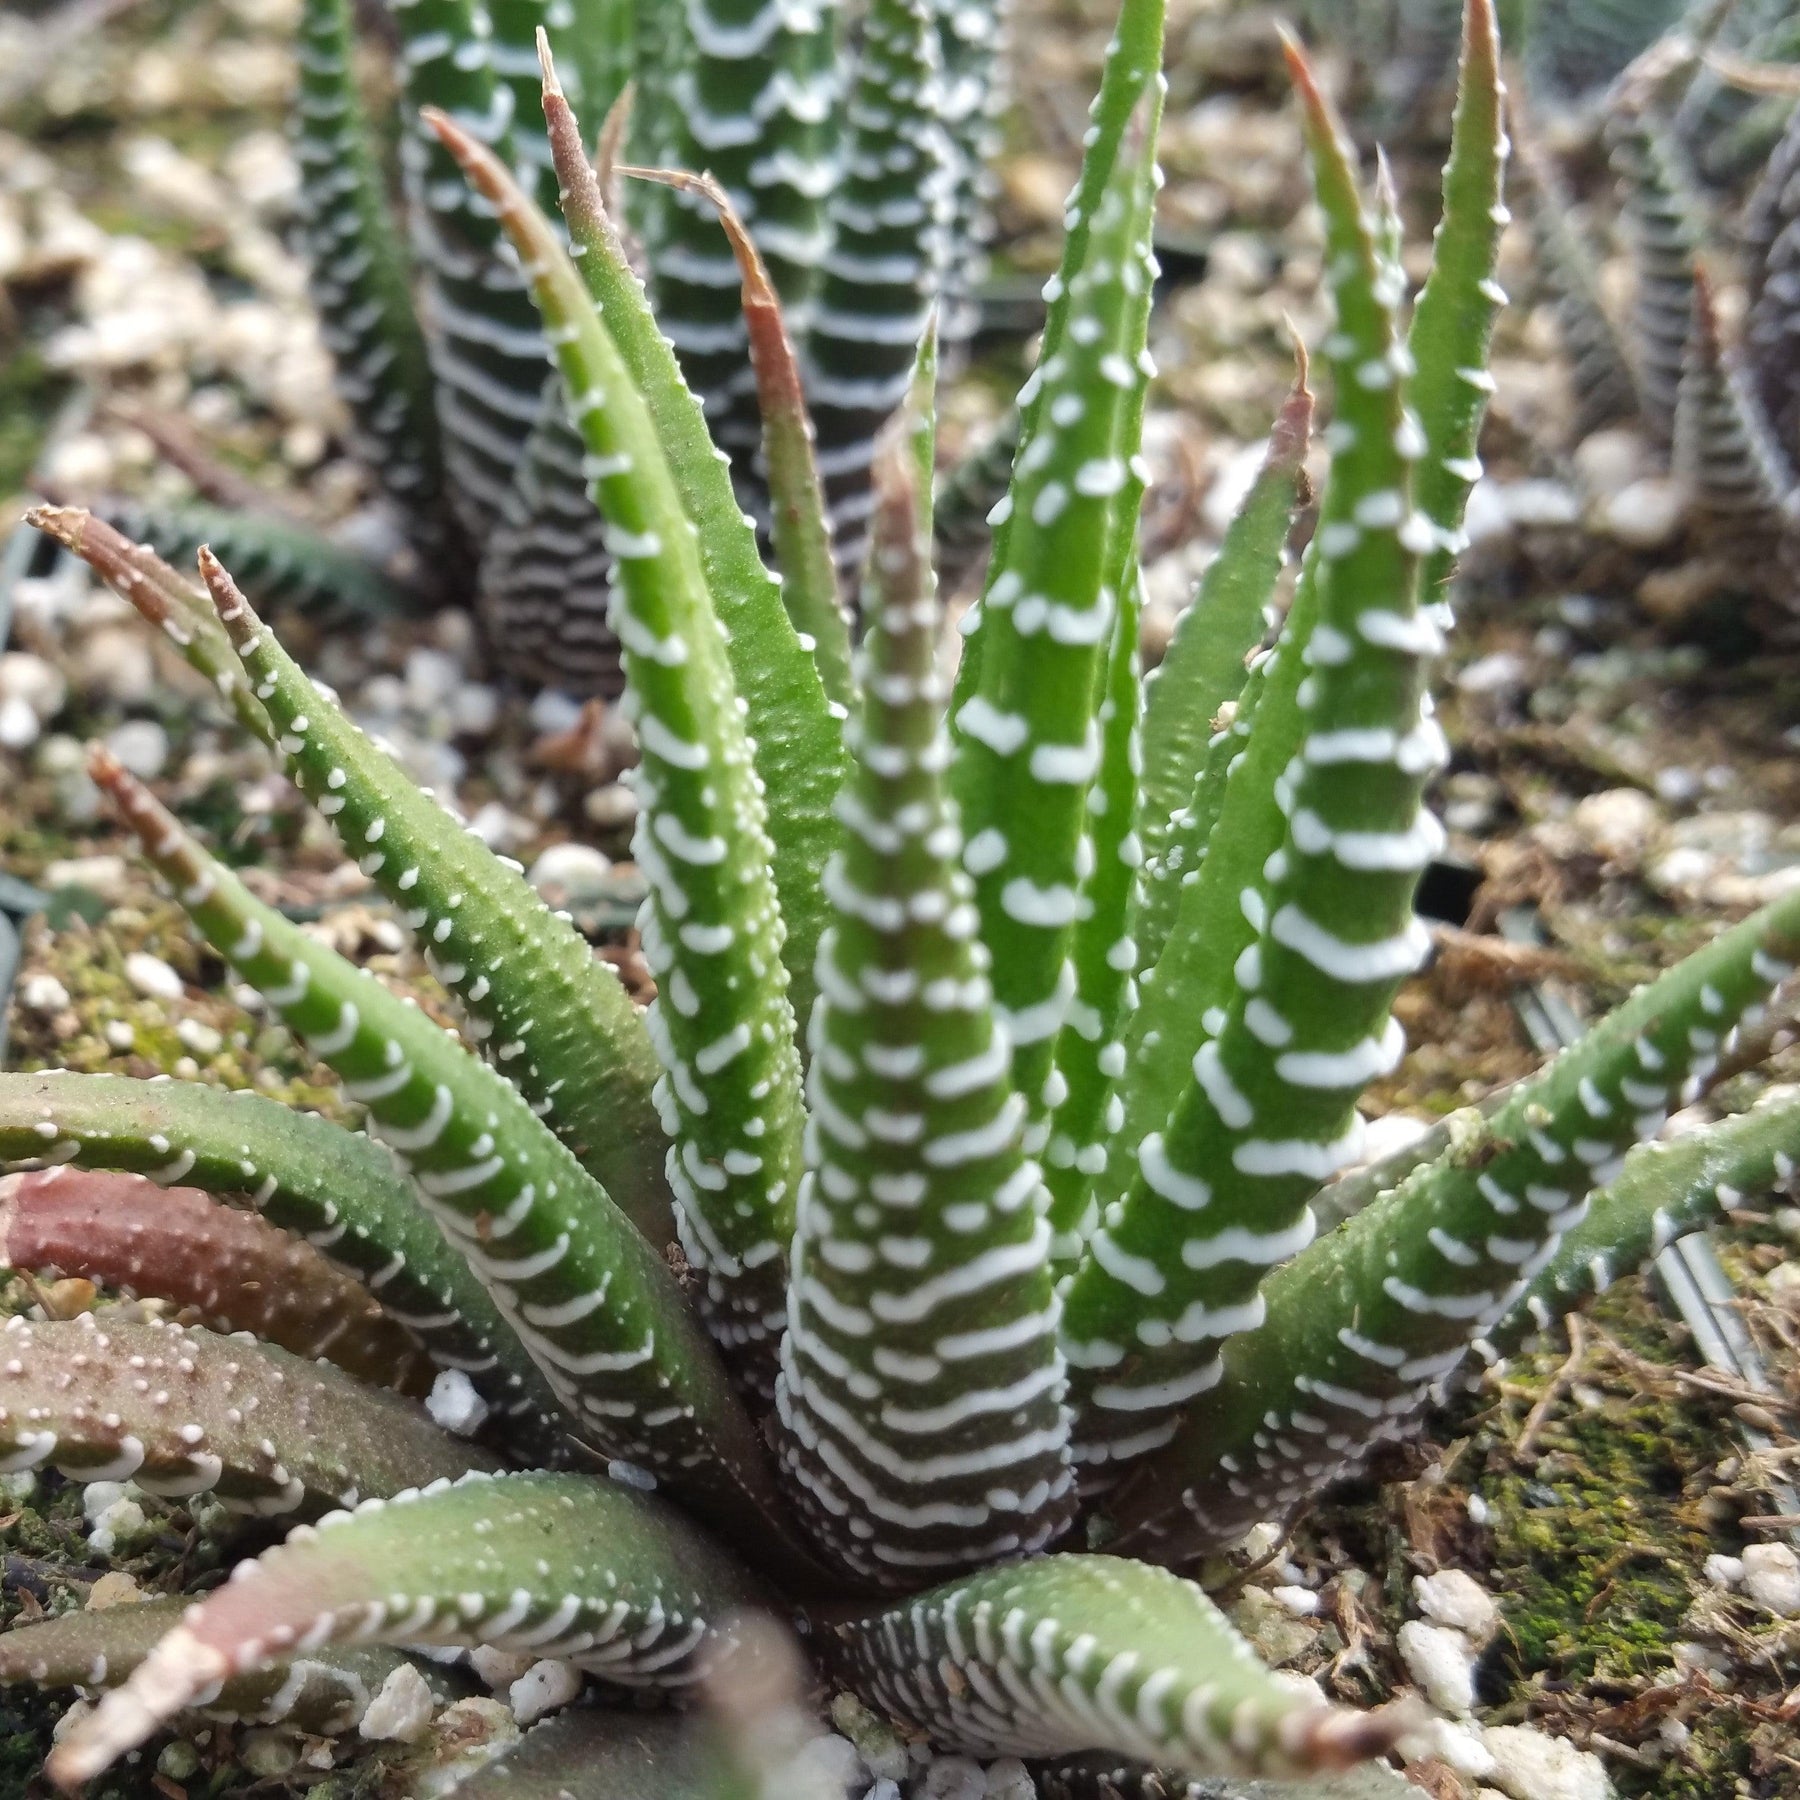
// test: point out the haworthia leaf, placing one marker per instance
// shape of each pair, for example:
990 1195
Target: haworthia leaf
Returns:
1364 1323
555 1564
1205 664
889 217
593 1302
722 1022
1723 443
326 1691
798 521
1454 320
794 728
181 1411
552 1016
1663 1191
754 97
235 1271
1103 952
358 277
167 600
921 1389
1266 1110
488 356
340 1191
675 1756
1027 743
1072 1653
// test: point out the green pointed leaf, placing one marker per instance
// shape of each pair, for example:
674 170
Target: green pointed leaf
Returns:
182 1411
1072 1653
722 1023
560 1565
340 1191
1103 953
794 727
326 1691
921 1390
674 1756
1027 745
1206 662
1361 1325
1266 1107
358 275
552 1016
1454 321
594 1304
232 1269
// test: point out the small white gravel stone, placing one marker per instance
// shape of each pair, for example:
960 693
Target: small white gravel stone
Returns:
107 876
1724 1571
1530 1766
402 1708
43 994
499 1668
568 874
142 746
952 1778
19 725
884 1789
1454 1597
39 684
112 1513
201 1038
1646 514
543 1688
1301 1602
1008 1779
1620 824
151 976
120 1033
829 1762
454 1403
1441 1662
1772 1578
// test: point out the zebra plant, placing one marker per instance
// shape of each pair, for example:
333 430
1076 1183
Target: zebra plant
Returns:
956 1325
856 160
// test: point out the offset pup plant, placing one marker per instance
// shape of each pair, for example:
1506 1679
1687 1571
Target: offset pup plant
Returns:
1000 1299
447 379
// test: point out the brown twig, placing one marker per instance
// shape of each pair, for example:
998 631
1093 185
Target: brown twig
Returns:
1525 1449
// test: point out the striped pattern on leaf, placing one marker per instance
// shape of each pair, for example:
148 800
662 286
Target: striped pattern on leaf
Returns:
340 1191
721 1023
1041 1658
548 1013
921 1389
1268 1112
592 1302
1027 747
555 1564
1362 1325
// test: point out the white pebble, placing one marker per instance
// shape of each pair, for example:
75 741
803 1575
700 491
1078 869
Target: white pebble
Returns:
827 1764
499 1668
401 1709
454 1403
38 685
1772 1578
151 976
1301 1602
1008 1779
1442 1664
1453 1597
567 874
43 994
952 1778
1530 1766
543 1688
202 1039
1724 1571
19 725
142 746
1646 514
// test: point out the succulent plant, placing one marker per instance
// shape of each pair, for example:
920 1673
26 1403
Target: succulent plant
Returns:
958 1324
856 157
